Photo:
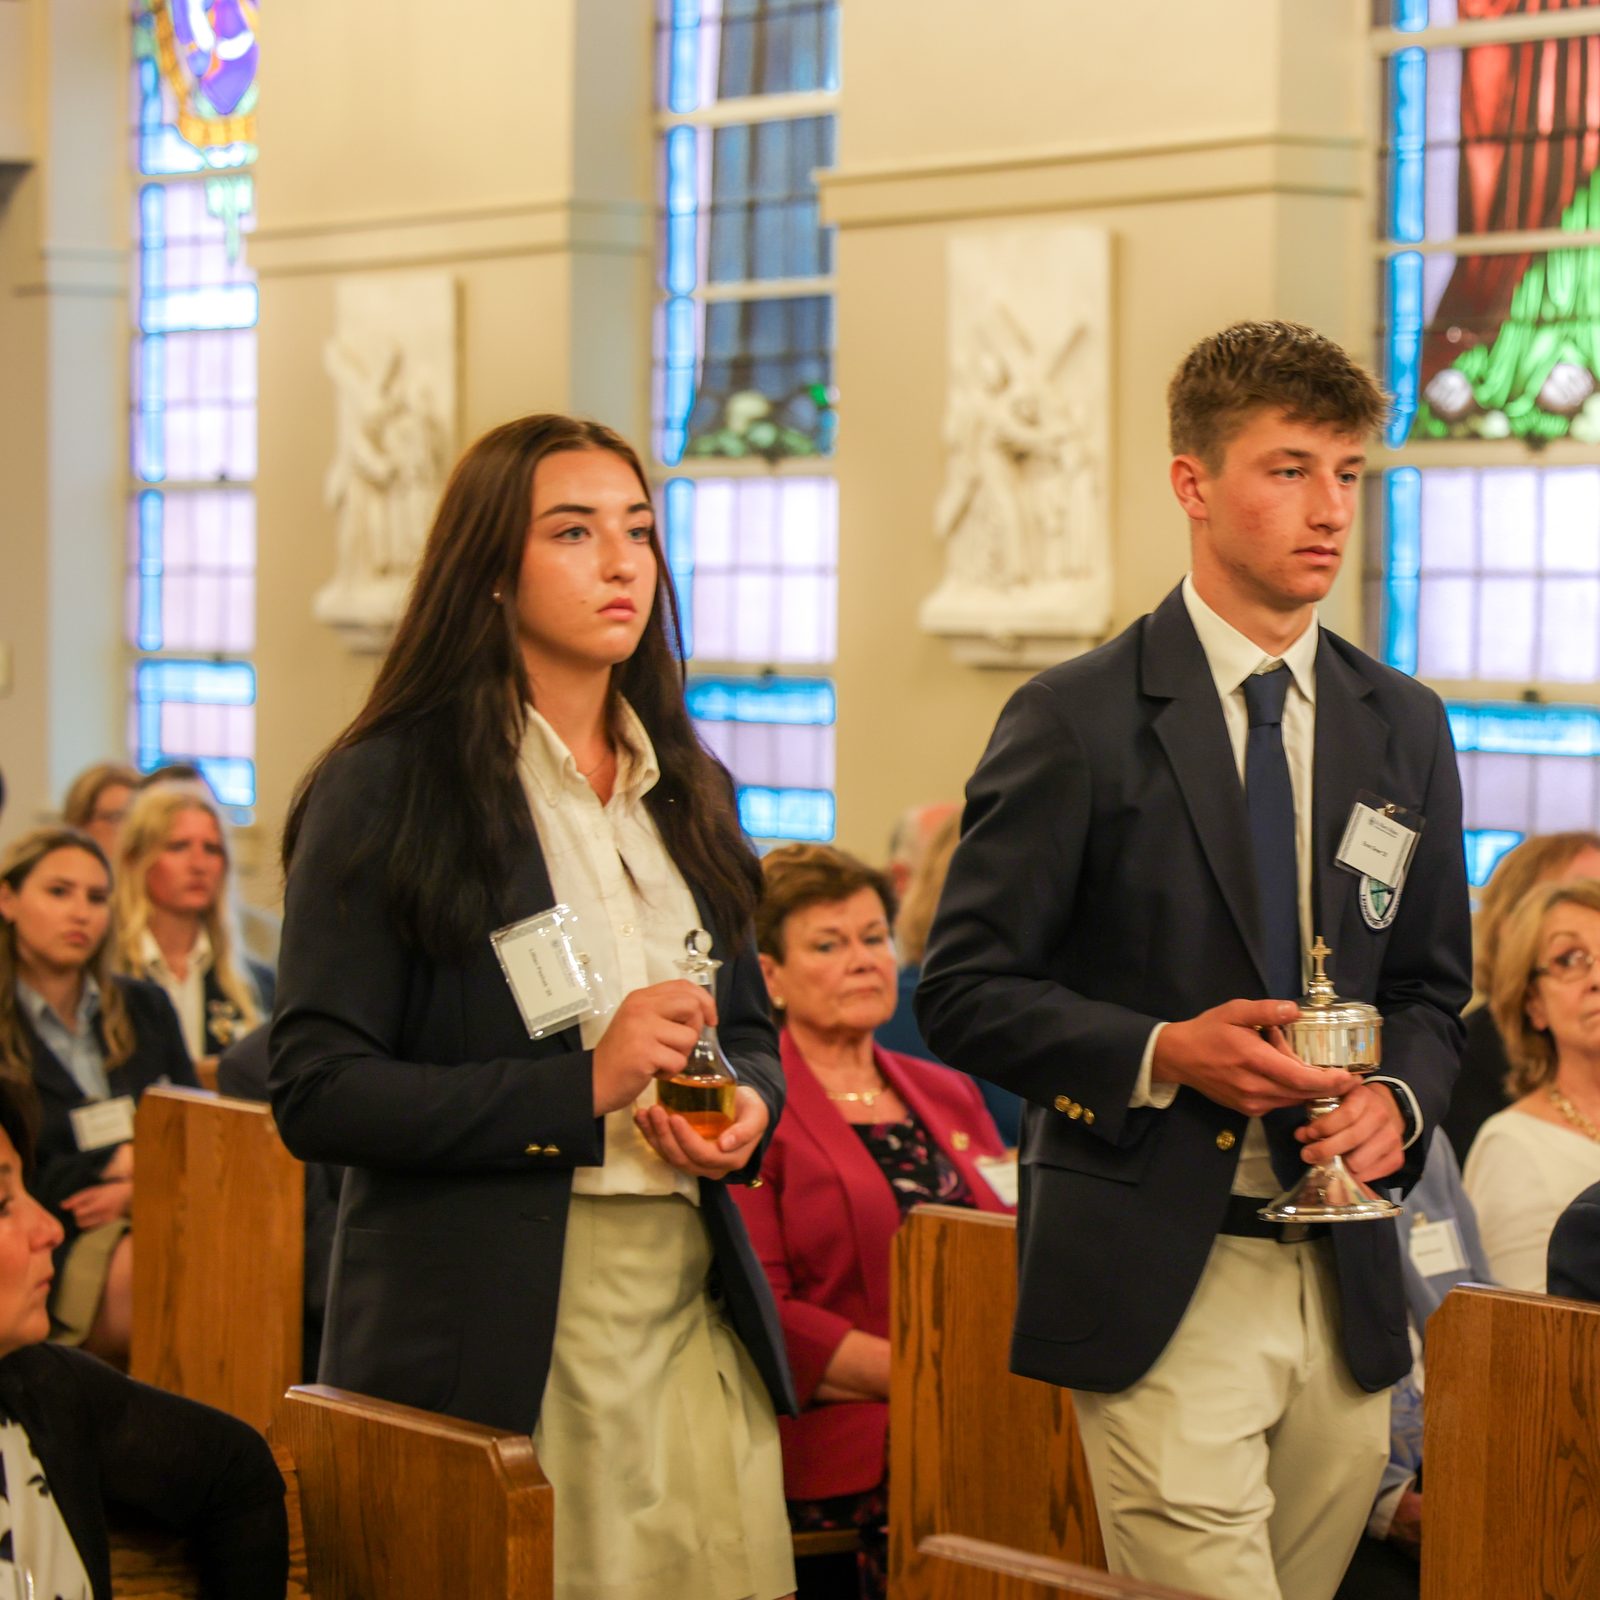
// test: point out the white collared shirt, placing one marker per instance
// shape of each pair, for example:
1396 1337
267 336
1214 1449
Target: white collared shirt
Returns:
608 863
188 993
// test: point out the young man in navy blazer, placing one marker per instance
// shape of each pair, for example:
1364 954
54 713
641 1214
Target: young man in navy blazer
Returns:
1148 851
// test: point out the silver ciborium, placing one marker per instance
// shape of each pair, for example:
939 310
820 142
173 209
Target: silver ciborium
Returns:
1332 1033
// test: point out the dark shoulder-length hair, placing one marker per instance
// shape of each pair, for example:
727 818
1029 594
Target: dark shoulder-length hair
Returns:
454 686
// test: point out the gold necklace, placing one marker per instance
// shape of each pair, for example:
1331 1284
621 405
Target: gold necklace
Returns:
1573 1114
864 1097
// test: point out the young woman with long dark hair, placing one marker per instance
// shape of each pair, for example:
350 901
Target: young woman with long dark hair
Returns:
526 1238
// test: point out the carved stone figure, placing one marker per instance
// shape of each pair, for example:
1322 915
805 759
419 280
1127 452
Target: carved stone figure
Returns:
392 362
1023 512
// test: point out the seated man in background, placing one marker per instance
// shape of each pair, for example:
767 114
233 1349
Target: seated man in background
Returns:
1439 1248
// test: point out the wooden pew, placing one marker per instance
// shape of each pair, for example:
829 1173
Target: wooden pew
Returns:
218 1253
980 1461
972 1569
385 1501
1511 1448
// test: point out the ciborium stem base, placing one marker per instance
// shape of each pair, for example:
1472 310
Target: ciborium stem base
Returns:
1329 1193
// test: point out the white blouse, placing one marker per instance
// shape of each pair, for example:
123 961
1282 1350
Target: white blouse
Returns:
633 908
188 993
36 1550
1521 1174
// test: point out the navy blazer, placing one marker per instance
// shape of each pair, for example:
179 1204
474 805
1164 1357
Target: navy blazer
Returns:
1573 1259
459 1132
1105 882
106 1442
159 1056
222 1028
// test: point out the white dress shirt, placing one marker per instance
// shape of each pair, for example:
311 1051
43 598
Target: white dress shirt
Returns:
1232 658
607 862
188 993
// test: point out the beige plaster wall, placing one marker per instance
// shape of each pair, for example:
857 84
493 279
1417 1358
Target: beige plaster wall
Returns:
63 414
524 171
1226 161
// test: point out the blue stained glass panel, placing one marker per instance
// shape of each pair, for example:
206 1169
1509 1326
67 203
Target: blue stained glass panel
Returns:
803 814
1403 293
765 220
1408 103
1485 846
795 701
777 47
1525 730
1403 505
765 384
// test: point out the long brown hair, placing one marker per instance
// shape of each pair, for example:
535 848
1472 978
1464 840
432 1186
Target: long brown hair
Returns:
17 865
453 681
144 836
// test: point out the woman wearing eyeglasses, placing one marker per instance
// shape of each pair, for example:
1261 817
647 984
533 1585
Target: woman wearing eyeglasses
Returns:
1532 1159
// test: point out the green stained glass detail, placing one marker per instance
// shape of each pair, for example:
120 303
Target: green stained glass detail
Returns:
1540 376
231 200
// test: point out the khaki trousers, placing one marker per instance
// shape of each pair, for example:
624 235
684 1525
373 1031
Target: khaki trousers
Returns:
1244 1464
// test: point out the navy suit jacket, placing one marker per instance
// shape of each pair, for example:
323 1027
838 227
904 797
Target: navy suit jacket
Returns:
458 1132
1573 1259
1105 882
159 1056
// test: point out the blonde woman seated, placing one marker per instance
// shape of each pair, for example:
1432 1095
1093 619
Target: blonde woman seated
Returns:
175 919
865 1136
98 801
80 1047
1532 1159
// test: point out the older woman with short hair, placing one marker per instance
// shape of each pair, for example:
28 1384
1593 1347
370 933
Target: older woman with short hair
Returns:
1531 1160
867 1135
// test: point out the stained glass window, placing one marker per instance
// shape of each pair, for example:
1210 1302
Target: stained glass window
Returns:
192 427
744 405
1489 577
744 337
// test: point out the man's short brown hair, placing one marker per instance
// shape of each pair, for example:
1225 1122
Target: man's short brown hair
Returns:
1267 366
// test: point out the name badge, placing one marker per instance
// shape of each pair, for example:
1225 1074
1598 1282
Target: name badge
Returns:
103 1122
1436 1248
1379 841
549 977
1000 1173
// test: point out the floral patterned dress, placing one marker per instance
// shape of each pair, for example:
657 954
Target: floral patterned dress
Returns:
919 1173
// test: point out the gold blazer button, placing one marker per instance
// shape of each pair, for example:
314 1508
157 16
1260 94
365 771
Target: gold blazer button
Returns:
1225 1139
1063 1103
1074 1111
534 1150
550 1150
1088 1118
959 1141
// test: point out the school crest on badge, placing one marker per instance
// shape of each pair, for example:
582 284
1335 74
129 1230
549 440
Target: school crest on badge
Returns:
1378 903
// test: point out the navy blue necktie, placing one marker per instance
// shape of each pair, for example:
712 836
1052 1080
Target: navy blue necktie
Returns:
1269 799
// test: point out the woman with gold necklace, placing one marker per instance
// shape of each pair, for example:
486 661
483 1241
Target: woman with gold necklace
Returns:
1532 1159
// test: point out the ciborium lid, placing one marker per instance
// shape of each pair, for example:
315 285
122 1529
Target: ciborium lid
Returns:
1331 1031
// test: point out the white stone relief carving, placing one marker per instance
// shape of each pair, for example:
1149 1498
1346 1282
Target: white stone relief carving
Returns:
1024 513
392 359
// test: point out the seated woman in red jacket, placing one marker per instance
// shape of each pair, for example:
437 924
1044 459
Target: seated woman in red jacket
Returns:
865 1136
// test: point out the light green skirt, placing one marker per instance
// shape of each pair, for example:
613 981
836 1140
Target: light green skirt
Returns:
656 1432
